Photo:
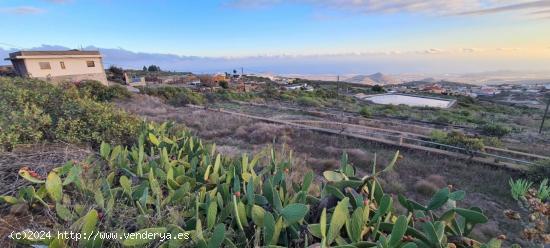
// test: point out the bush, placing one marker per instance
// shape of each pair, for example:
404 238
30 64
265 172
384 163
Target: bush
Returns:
458 139
425 188
33 111
496 130
176 96
309 101
224 84
98 91
365 112
378 88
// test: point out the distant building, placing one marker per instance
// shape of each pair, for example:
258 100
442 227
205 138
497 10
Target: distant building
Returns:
134 80
486 91
303 86
435 89
219 78
59 66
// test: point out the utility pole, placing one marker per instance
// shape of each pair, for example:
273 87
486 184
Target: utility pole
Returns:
545 113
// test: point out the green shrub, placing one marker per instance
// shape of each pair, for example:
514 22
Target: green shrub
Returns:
224 84
378 88
365 112
492 141
308 101
100 92
176 96
458 139
496 130
33 111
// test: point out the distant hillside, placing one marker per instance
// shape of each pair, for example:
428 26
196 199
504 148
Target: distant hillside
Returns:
442 83
377 78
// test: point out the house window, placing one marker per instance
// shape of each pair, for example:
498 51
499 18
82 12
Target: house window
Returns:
90 63
62 64
45 65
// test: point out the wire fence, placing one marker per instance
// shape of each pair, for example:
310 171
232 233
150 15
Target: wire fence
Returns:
393 139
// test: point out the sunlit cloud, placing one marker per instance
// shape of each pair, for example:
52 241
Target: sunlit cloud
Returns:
433 7
544 5
433 51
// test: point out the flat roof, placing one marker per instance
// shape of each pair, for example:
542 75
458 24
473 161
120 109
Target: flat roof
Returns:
47 54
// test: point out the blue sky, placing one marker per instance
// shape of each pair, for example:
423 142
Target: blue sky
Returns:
465 31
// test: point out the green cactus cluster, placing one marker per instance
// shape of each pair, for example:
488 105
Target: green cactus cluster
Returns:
172 183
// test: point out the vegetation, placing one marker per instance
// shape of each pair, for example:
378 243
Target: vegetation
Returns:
308 101
458 139
378 88
176 96
535 202
169 183
33 111
365 112
224 84
99 92
228 95
496 130
116 74
153 68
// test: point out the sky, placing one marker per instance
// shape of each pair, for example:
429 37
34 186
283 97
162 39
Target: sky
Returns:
290 36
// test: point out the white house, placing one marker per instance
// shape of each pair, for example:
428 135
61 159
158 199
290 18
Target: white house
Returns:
59 66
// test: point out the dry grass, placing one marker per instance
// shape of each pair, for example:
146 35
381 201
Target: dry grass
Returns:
262 133
425 188
391 182
320 165
40 158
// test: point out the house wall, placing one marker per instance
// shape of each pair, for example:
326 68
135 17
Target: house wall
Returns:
76 69
19 67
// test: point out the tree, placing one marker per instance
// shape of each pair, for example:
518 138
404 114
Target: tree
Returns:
144 68
377 88
116 74
116 70
153 68
224 84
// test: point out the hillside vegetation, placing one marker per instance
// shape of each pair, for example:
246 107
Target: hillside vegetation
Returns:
32 111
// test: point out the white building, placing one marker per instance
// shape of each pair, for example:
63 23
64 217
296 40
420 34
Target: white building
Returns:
59 66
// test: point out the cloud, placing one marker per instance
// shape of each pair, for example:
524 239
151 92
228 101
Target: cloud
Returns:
433 51
432 7
22 10
370 6
470 50
513 7
546 11
508 49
